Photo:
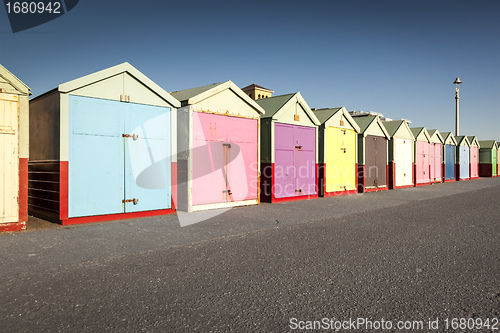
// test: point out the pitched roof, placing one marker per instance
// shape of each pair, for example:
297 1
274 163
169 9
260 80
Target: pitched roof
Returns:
462 138
436 133
113 71
186 94
364 122
394 125
198 94
325 114
488 144
445 136
416 131
473 141
274 105
14 81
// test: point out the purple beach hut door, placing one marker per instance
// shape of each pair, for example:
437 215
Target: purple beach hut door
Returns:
295 156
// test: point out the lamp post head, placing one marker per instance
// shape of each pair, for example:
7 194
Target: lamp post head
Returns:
457 81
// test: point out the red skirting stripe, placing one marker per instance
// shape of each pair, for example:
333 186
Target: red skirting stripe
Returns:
14 226
110 217
376 189
339 193
63 190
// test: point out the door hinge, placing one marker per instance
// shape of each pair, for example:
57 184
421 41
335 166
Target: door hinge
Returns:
134 201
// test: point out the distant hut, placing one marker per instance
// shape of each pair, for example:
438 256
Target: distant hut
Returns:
337 152
400 154
449 157
436 156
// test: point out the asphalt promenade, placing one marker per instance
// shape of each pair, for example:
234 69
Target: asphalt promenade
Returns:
406 256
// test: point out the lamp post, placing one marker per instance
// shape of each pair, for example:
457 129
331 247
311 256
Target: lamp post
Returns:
457 97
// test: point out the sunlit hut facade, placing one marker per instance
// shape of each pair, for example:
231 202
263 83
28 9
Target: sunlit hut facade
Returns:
421 156
498 160
436 156
289 149
400 154
449 156
218 163
463 158
14 151
102 147
372 152
488 158
337 152
474 157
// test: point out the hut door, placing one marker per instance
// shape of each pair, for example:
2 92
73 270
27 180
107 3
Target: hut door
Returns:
403 161
375 161
224 159
449 162
147 158
435 162
9 158
341 173
464 162
340 159
240 151
305 160
295 160
422 162
119 157
426 162
371 172
495 162
474 160
208 158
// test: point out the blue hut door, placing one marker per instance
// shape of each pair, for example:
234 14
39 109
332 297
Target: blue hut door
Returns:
464 162
108 165
449 162
147 158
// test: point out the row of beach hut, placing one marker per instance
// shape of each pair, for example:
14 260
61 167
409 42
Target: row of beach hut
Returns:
113 144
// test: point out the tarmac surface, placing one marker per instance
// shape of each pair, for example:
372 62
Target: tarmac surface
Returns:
413 255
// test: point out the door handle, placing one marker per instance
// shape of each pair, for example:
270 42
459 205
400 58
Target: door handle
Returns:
133 136
134 201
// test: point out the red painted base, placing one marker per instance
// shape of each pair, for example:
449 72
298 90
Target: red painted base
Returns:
376 189
339 193
449 180
404 186
110 217
474 177
423 184
288 199
462 179
14 226
436 181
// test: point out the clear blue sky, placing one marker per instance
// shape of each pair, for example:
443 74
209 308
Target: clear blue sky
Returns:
395 57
